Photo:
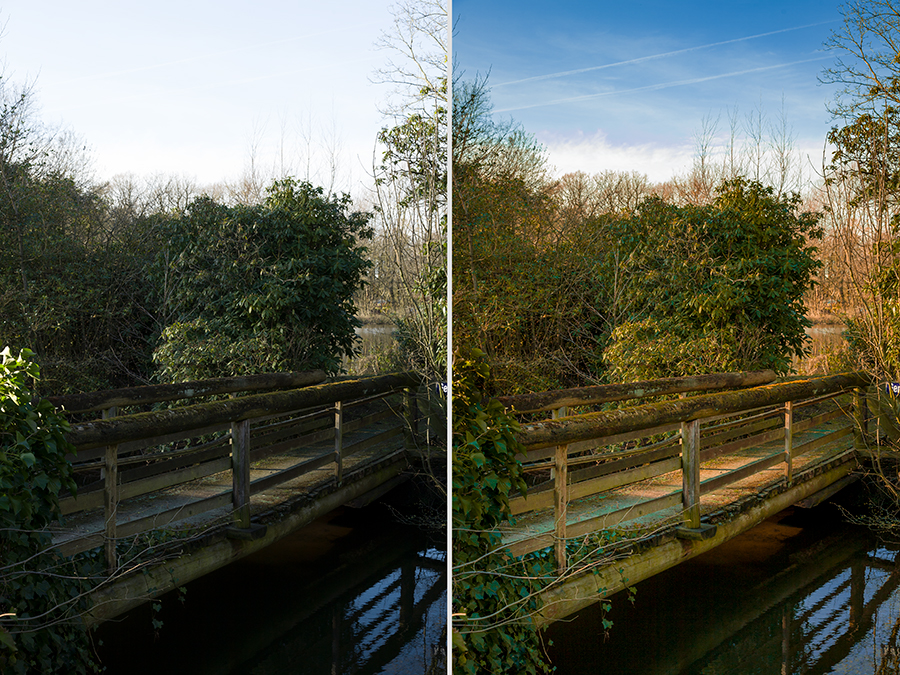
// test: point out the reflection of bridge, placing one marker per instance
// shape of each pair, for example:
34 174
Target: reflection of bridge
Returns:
810 620
621 495
177 492
823 603
384 622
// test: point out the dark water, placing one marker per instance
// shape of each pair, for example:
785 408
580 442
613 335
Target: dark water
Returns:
354 592
801 593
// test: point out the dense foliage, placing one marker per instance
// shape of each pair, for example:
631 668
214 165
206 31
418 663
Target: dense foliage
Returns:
262 288
40 593
492 591
721 286
95 282
574 281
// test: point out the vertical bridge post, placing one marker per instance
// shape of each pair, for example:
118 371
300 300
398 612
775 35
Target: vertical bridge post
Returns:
338 442
111 496
240 472
560 505
789 441
861 418
560 475
690 473
411 408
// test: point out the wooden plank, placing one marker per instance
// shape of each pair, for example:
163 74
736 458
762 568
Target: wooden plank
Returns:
812 422
88 499
861 419
708 424
667 450
166 480
380 437
151 522
338 443
411 414
165 463
156 393
602 522
142 425
590 444
605 393
134 446
309 440
690 473
788 441
544 500
736 475
560 507
290 473
240 467
615 518
111 507
771 420
742 444
92 498
823 440
292 428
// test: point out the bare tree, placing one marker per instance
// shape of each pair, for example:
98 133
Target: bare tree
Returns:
411 175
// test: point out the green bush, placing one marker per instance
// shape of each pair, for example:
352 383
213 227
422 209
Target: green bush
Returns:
41 594
493 592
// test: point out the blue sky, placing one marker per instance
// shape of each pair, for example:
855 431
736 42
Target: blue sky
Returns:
186 87
627 85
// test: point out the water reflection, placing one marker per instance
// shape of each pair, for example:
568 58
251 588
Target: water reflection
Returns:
352 593
799 594
392 624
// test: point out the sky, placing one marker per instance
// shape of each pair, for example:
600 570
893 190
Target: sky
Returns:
630 86
190 87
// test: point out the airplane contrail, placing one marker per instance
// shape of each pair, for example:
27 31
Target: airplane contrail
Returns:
661 85
641 59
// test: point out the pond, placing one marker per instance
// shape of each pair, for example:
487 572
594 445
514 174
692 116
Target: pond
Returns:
354 592
803 592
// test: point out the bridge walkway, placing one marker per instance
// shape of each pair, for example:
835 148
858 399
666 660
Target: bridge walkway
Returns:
620 495
177 491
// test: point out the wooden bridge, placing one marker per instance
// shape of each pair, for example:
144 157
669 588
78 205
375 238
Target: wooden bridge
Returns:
623 494
174 493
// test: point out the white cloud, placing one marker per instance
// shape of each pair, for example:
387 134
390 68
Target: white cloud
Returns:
594 154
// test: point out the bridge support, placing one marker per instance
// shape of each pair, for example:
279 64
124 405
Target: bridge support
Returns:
690 465
584 588
110 497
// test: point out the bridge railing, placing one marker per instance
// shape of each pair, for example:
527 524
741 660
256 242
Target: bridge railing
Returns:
146 452
586 456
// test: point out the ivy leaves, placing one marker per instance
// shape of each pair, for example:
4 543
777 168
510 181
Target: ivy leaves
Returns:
493 593
40 594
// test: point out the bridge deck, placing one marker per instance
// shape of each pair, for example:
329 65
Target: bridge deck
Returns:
541 522
187 495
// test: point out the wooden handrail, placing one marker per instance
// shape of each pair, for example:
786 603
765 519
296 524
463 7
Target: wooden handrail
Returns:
606 393
157 393
549 433
97 433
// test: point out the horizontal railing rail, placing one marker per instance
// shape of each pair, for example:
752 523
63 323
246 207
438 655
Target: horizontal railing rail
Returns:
158 393
609 393
144 453
586 457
